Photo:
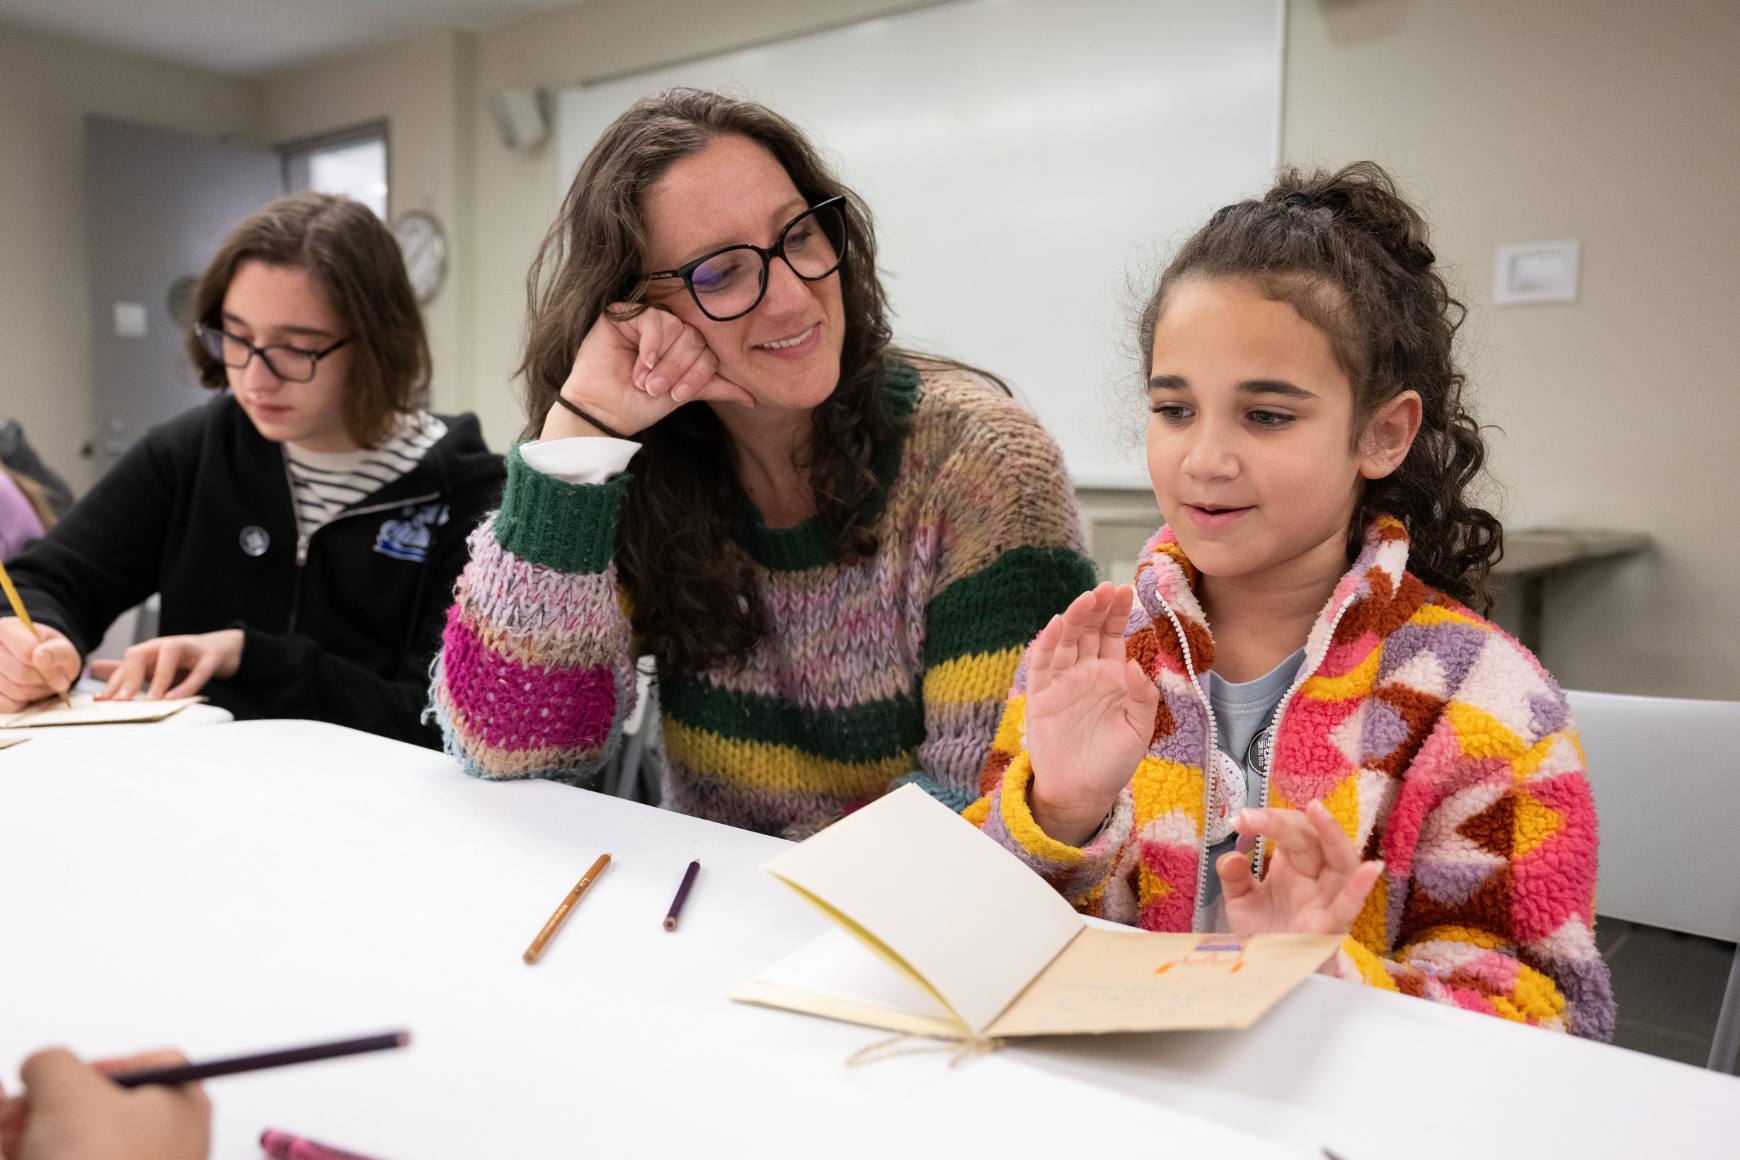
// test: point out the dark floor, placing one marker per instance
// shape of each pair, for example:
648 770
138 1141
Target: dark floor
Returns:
1668 986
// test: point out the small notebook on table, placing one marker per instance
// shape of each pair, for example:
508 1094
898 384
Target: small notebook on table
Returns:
942 932
87 710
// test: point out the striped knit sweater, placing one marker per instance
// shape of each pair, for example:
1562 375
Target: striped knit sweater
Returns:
873 672
1437 741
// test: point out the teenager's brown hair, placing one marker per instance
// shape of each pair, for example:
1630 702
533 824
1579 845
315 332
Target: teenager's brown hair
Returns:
694 602
354 260
1349 253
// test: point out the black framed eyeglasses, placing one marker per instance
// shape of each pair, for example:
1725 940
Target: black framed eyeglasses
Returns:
729 283
290 363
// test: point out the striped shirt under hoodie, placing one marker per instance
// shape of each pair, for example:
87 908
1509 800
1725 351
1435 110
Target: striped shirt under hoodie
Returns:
324 483
873 672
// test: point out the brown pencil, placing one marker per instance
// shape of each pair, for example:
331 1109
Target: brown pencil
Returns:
561 915
682 895
17 603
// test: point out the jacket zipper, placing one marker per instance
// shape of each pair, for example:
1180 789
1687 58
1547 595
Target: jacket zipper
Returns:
1305 674
347 513
295 522
1209 777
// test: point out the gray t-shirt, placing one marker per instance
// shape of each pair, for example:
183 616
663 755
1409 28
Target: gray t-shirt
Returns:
1241 712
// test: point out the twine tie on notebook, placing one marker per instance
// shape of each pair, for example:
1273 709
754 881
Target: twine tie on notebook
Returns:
958 1051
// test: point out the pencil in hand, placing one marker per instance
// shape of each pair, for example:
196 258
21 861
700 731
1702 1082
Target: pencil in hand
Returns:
561 914
194 1072
23 616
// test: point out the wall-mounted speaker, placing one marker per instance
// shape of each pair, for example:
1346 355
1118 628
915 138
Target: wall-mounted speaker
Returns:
519 116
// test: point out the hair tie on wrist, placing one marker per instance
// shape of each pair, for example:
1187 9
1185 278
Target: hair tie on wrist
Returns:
563 399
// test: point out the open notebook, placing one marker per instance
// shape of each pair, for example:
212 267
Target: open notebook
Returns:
943 932
87 710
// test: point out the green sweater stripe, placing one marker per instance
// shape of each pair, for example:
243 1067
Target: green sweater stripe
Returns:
570 527
872 731
1000 606
810 544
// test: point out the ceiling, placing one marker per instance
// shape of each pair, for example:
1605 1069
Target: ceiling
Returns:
245 37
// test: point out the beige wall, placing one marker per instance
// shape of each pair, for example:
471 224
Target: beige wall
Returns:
422 89
1615 124
47 86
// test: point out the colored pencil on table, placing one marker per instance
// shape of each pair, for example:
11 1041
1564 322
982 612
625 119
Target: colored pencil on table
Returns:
17 603
561 915
193 1072
284 1146
682 895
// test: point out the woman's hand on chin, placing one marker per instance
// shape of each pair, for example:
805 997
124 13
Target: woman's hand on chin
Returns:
630 374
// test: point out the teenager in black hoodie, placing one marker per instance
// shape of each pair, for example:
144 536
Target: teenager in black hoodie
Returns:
304 529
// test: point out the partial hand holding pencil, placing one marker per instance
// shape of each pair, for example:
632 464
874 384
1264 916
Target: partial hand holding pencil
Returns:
18 610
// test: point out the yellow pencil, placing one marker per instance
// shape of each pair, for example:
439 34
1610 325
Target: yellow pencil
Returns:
17 603
556 919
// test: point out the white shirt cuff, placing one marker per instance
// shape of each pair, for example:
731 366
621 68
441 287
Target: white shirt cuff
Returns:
580 459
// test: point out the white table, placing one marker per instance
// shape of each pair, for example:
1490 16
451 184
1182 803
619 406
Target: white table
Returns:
268 883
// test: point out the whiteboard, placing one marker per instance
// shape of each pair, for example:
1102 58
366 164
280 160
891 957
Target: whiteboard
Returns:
1028 164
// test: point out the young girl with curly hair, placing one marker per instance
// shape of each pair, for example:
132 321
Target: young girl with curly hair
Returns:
1352 749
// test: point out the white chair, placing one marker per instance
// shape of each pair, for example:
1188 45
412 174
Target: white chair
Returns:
1666 780
628 774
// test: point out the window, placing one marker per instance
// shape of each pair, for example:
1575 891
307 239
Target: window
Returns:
353 164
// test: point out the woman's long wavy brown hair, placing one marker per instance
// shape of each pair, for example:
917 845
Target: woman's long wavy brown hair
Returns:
694 602
1348 253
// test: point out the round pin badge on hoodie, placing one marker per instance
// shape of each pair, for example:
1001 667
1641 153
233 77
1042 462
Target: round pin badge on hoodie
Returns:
254 540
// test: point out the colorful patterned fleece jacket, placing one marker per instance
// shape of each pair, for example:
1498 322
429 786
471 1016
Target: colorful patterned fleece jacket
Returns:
891 668
1438 742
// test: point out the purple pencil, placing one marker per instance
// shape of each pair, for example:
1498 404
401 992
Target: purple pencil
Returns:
194 1072
682 895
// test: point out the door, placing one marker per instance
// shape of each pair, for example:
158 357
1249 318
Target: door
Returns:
159 204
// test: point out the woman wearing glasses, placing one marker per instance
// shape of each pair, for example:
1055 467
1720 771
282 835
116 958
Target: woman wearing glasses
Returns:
304 529
834 550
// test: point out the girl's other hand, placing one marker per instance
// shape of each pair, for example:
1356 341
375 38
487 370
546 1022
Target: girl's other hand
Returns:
1315 883
633 373
1090 713
30 669
155 665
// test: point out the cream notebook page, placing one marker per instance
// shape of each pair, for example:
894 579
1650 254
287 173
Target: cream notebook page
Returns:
992 924
943 932
87 710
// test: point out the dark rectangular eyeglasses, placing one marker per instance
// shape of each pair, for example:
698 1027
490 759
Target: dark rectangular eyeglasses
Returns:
730 282
290 363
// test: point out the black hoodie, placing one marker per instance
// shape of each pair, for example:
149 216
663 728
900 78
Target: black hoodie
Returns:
200 511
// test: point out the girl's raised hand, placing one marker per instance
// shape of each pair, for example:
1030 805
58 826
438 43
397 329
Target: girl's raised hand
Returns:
633 373
1315 883
1090 713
